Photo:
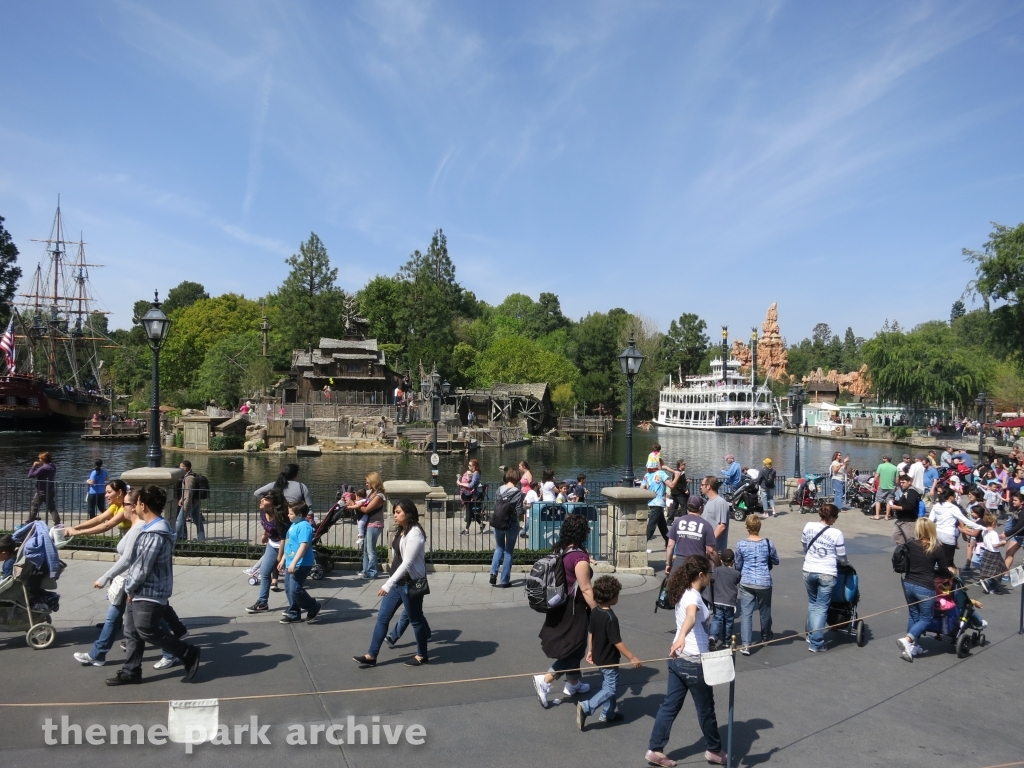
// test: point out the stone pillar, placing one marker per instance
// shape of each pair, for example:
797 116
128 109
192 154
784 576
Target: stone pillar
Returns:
627 529
165 477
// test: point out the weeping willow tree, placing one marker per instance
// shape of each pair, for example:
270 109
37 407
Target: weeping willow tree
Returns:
926 366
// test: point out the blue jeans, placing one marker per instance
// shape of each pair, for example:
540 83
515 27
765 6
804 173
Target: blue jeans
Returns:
920 614
819 595
750 598
403 624
370 567
399 595
181 530
267 565
722 623
605 696
683 676
115 621
505 543
298 598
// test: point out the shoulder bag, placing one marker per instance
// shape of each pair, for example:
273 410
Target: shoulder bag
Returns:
115 591
418 588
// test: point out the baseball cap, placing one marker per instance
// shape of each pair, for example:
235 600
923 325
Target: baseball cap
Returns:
695 502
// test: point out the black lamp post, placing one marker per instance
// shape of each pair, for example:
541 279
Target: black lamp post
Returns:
631 360
438 392
155 323
796 408
982 402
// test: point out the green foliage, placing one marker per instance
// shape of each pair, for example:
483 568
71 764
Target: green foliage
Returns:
226 442
999 280
311 306
179 439
184 294
957 311
195 329
563 398
1008 388
10 273
684 347
233 369
512 360
901 433
827 351
596 340
925 366
649 340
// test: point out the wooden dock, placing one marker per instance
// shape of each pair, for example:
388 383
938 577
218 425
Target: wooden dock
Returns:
596 427
118 430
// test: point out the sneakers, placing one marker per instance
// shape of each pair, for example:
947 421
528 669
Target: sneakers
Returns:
657 758
572 690
123 645
745 651
906 649
191 662
312 613
985 587
715 758
812 649
123 678
542 689
289 619
88 661
166 663
493 579
616 718
581 716
258 608
917 650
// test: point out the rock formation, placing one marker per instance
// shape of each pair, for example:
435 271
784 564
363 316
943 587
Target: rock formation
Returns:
855 382
772 357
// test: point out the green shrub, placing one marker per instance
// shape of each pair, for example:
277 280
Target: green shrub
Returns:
226 442
901 433
179 439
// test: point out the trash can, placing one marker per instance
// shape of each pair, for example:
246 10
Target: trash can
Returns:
546 524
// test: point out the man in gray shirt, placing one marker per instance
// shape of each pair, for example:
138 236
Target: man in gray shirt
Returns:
716 511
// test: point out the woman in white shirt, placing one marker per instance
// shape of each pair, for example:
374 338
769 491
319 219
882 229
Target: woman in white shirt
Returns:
547 487
839 469
529 499
948 517
824 551
684 667
408 565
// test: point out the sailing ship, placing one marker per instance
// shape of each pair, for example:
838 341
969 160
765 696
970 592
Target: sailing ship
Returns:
725 400
57 386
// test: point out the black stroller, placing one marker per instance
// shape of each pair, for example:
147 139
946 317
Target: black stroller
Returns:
324 560
745 500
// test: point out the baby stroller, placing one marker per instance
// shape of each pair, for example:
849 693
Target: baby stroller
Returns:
20 611
862 496
954 616
745 500
843 607
324 560
806 495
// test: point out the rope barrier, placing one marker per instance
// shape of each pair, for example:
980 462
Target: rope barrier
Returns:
462 681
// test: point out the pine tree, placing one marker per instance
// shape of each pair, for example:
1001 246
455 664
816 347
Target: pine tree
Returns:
311 305
958 311
10 273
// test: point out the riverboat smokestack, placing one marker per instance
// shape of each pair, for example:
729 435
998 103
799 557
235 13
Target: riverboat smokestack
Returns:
725 353
753 359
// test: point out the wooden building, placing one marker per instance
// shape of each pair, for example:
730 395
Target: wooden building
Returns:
529 404
354 371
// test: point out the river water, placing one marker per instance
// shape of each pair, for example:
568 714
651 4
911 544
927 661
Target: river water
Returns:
601 461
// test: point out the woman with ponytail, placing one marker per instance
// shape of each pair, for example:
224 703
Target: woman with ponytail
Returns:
684 668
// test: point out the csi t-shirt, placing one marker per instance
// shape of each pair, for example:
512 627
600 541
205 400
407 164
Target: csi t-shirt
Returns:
604 626
692 535
300 532
716 512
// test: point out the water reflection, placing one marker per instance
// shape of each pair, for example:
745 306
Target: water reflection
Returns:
601 461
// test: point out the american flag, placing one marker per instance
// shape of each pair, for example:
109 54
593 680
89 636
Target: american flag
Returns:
7 345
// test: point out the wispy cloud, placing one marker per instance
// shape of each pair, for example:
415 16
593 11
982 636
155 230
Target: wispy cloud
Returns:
256 143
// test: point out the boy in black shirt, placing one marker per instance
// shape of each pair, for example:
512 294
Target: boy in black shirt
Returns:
604 646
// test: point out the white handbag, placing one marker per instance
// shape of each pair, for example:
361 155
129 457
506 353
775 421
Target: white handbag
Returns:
115 592
718 667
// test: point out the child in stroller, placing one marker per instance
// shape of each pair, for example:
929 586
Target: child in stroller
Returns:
956 616
806 495
29 575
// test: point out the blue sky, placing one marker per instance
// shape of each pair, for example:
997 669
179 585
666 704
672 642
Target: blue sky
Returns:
663 157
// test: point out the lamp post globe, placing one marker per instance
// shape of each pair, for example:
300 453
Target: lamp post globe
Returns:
156 325
631 360
438 393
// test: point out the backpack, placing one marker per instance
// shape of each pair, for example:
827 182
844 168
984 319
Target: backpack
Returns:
545 586
768 477
201 486
901 556
504 513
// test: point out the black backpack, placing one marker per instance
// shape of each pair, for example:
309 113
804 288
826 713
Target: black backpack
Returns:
545 586
504 510
901 555
768 476
201 486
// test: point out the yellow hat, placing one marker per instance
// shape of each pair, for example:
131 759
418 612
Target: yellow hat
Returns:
767 462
